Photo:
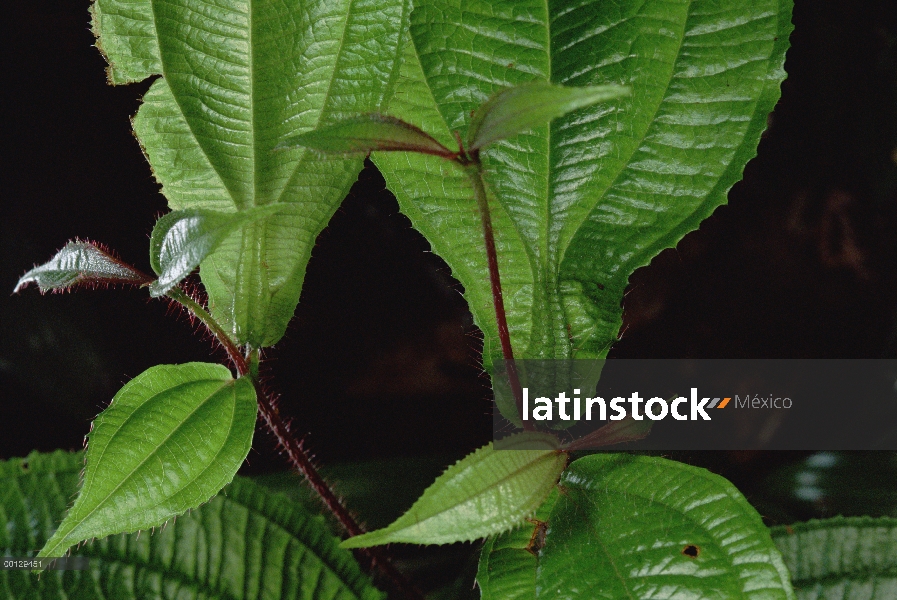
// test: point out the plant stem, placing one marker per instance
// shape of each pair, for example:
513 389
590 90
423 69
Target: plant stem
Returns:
203 315
474 169
297 455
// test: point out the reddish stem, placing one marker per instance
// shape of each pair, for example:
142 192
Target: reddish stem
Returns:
296 454
474 170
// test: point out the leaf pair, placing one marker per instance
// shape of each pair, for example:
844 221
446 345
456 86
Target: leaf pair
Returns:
507 114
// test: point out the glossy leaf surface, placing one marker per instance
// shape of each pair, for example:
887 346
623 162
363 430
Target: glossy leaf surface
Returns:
642 527
487 492
841 558
238 77
516 109
244 544
578 205
181 240
170 440
365 133
81 263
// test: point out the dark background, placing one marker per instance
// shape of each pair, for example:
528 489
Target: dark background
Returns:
381 358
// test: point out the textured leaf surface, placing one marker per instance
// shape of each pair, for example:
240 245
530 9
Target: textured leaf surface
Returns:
487 492
244 544
366 133
514 110
171 439
181 240
643 527
80 262
237 77
507 569
580 204
841 558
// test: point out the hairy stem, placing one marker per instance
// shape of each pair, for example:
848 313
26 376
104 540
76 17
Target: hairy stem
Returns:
203 315
474 169
297 455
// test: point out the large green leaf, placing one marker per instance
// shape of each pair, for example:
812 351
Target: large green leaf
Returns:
237 77
644 527
841 559
170 440
580 204
246 543
487 492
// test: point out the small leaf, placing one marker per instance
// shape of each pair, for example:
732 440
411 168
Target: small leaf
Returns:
182 239
247 543
489 491
841 558
171 439
367 133
81 262
638 526
517 109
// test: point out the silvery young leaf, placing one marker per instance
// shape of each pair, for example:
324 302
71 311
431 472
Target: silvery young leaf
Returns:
514 110
629 526
487 492
246 543
841 558
365 133
238 76
579 204
81 263
171 439
507 569
181 240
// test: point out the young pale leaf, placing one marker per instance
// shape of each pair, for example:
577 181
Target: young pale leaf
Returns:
171 439
237 77
81 263
638 526
581 203
366 133
514 110
841 558
181 240
488 492
246 543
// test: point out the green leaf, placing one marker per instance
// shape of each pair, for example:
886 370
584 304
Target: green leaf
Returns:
487 492
181 240
238 77
507 569
365 133
514 110
841 558
244 544
577 206
643 527
171 439
81 263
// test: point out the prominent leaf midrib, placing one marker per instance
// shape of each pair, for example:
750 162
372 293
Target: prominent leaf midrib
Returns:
321 114
177 101
612 180
484 490
212 462
151 454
